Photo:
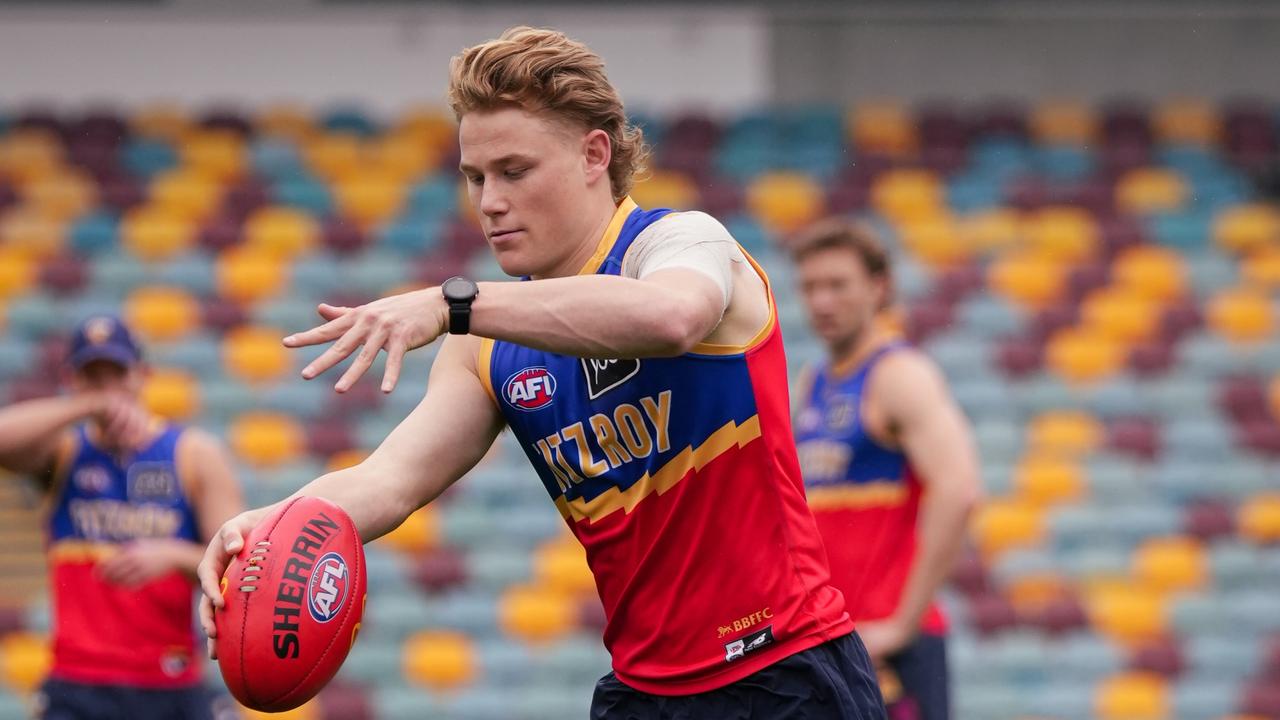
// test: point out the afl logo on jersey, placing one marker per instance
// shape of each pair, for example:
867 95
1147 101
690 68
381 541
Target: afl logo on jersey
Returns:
530 389
328 587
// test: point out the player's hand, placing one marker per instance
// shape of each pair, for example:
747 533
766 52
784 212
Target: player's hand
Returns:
125 424
142 561
397 324
226 543
884 638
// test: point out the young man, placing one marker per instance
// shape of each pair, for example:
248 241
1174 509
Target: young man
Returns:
641 368
131 501
887 458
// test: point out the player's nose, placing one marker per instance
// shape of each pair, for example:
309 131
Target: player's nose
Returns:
493 201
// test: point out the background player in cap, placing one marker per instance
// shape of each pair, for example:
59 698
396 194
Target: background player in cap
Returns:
131 499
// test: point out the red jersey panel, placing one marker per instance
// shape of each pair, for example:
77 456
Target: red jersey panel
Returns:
679 476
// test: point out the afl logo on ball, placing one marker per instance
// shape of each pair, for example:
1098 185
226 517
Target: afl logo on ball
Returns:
530 389
328 587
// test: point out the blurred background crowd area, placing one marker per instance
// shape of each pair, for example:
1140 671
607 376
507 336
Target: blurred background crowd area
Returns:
1082 206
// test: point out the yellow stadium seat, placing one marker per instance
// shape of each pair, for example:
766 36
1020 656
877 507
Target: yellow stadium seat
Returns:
369 198
1241 315
1064 433
1004 524
1151 190
334 156
1064 234
161 120
218 154
1132 696
285 121
418 533
154 233
883 128
36 234
1121 315
403 155
255 354
1027 278
1042 480
1126 613
64 194
187 193
280 231
1259 518
991 230
29 154
24 661
162 313
935 241
440 660
1245 228
309 710
562 565
430 124
666 189
247 275
536 614
1261 269
785 202
171 394
18 272
1083 355
1171 564
904 195
1186 122
266 438
1151 271
345 459
1063 123
1032 592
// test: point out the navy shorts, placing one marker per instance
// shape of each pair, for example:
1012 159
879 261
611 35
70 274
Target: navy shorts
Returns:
831 681
62 700
921 668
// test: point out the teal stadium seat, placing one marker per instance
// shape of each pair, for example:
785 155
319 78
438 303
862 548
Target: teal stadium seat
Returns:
305 193
1062 162
276 159
434 196
411 234
95 234
147 157
495 568
988 317
17 356
401 703
1185 231
1194 698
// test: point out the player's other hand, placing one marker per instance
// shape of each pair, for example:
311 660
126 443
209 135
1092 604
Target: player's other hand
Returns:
397 324
125 424
884 638
142 561
226 543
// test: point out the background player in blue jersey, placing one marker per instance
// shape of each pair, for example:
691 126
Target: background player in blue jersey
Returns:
888 460
131 498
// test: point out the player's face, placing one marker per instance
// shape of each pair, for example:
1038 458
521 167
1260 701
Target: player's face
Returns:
839 294
108 376
527 178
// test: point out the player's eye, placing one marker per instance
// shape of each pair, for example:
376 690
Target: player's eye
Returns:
516 173
475 179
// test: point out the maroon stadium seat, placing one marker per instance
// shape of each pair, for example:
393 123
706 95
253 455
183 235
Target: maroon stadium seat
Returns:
120 191
345 701
221 232
1209 520
220 314
1019 357
64 275
991 613
329 435
1243 398
1162 656
1139 437
1151 359
341 236
591 614
439 569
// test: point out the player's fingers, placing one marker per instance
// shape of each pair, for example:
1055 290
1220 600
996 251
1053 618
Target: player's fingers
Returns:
345 345
331 312
324 333
395 360
206 617
372 345
212 649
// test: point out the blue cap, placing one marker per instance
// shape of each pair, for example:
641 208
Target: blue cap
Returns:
103 337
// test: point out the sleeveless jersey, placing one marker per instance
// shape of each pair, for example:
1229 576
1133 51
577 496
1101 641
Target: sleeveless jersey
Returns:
864 495
679 476
108 634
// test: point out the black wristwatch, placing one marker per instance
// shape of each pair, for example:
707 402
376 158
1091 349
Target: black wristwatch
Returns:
459 292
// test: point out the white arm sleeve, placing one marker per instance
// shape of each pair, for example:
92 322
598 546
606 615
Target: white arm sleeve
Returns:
690 240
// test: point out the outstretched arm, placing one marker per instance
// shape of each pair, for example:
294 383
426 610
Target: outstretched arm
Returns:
443 438
663 315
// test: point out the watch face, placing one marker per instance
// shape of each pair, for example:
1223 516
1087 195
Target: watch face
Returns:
459 288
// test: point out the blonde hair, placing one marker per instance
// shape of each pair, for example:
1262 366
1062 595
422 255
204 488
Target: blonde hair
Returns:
543 70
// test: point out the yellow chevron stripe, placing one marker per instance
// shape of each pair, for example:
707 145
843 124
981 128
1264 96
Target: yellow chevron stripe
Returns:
729 436
872 494
81 551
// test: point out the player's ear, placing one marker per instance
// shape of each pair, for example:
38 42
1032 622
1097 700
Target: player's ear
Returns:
597 151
